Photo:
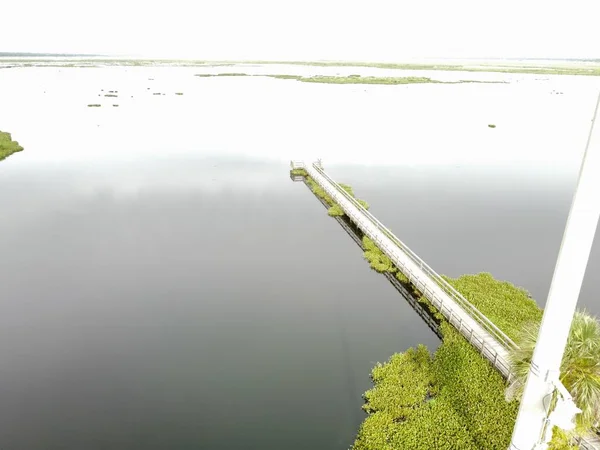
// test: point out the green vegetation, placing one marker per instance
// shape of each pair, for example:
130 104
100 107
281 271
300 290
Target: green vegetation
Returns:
319 191
588 68
347 188
491 125
376 258
455 399
351 79
178 93
579 371
449 401
358 80
334 210
8 146
232 74
298 172
532 69
507 306
285 77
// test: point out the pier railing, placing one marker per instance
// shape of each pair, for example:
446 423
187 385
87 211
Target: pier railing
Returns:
470 309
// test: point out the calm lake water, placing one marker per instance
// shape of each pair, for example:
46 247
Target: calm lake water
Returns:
166 285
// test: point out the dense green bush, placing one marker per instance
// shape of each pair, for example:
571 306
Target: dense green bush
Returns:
376 258
464 406
298 172
507 306
7 145
363 203
353 79
335 211
347 188
453 400
319 191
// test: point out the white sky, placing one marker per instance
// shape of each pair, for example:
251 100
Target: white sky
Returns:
310 29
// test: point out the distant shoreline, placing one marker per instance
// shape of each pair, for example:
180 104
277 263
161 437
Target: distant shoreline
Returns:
589 67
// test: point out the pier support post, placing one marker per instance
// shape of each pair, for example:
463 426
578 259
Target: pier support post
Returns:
578 237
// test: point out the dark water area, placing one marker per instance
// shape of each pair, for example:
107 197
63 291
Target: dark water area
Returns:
147 308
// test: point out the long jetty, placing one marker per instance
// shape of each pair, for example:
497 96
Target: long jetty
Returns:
486 337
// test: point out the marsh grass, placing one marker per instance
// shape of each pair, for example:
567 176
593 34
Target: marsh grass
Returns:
231 74
298 172
8 146
357 79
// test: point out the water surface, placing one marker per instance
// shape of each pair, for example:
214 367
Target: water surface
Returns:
165 284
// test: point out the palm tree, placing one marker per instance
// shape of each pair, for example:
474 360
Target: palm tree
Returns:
579 370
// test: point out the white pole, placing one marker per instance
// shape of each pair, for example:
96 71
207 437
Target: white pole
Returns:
562 298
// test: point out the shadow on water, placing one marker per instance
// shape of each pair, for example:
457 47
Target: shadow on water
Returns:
357 235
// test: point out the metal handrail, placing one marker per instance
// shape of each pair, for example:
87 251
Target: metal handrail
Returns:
477 315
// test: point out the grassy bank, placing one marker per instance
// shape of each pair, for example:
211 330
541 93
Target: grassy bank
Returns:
355 79
453 398
8 146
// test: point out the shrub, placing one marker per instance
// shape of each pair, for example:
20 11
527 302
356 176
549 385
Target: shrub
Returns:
347 188
335 211
507 306
377 259
298 172
453 400
363 203
8 146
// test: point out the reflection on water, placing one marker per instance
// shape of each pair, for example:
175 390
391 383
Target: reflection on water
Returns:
165 284
149 315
